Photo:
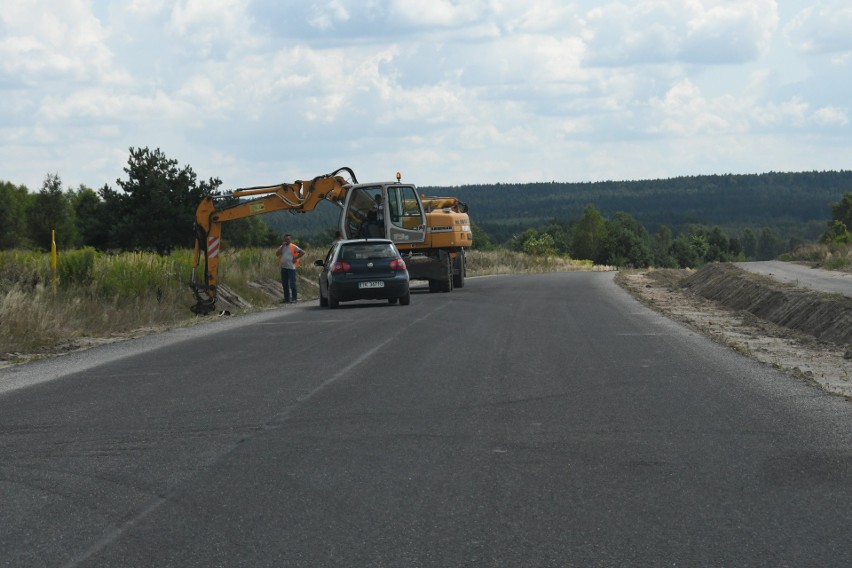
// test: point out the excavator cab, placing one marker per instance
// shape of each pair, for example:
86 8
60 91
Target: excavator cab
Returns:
384 211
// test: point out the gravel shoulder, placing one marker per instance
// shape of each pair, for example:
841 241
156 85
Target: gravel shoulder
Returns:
806 333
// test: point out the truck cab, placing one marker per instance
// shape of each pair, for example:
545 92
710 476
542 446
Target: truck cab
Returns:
385 211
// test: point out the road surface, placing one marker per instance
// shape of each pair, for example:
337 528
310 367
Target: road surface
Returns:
804 276
545 420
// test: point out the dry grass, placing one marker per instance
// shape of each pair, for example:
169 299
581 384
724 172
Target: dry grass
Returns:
110 296
829 257
481 263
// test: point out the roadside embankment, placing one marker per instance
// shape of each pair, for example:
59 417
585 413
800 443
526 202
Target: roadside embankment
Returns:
803 332
828 317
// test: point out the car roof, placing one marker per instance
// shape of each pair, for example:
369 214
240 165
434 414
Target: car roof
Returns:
374 241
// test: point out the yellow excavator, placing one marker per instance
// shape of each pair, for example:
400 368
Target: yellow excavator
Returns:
430 232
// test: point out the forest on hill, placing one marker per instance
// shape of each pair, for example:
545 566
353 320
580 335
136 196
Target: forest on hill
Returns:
794 204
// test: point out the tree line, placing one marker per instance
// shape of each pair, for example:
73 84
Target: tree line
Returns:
622 241
154 210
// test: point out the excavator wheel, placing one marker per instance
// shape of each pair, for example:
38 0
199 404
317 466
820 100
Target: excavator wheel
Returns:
447 285
458 279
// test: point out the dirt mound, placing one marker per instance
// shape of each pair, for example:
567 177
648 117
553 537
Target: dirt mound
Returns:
827 317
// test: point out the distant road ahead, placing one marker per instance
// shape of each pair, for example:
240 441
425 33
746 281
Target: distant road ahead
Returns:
804 276
544 420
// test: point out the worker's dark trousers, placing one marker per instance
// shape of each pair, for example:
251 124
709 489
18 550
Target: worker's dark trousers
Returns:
288 282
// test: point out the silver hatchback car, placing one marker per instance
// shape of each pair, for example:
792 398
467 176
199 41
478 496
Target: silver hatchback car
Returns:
363 269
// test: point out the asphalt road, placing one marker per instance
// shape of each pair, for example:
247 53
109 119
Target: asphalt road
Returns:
803 276
520 421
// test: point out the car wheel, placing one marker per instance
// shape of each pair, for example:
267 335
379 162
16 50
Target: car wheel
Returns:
323 300
405 300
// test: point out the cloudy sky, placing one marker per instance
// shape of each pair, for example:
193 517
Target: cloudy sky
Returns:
448 92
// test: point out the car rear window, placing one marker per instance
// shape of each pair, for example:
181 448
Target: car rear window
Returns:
365 251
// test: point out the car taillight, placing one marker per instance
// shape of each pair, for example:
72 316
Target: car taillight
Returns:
340 266
397 264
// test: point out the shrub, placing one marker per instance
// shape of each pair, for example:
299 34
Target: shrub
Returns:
76 267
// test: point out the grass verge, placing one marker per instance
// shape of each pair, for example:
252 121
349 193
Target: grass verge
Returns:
93 297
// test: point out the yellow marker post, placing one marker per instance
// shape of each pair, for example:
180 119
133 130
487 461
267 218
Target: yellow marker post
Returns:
53 257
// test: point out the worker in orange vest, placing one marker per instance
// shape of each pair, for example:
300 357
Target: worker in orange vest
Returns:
288 259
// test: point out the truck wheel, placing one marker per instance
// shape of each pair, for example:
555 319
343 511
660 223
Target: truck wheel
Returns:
447 285
458 279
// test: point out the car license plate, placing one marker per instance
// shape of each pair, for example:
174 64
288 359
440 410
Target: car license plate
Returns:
371 284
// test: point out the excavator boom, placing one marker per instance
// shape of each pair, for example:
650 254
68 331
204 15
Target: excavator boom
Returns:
297 197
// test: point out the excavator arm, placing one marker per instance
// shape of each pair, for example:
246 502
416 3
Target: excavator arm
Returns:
297 197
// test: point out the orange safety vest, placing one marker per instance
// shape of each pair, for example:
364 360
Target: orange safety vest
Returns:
293 254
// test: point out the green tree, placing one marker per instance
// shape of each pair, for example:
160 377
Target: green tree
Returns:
718 246
769 245
51 210
749 243
247 232
561 233
627 242
840 226
837 233
843 211
519 241
661 246
14 203
735 250
156 209
700 247
684 253
481 239
90 215
541 245
589 237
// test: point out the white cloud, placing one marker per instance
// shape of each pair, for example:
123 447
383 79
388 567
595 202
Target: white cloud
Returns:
448 91
684 111
692 31
64 42
831 116
441 13
326 15
822 28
